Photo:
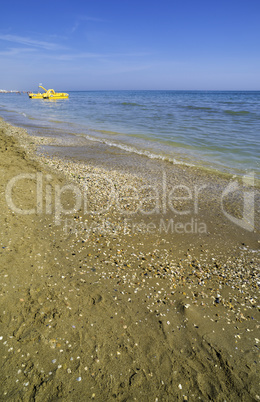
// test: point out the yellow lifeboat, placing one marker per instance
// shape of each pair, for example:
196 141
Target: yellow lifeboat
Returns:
48 94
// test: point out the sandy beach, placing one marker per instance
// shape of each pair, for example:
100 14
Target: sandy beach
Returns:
116 287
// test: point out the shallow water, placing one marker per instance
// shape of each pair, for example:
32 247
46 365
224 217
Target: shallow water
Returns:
213 129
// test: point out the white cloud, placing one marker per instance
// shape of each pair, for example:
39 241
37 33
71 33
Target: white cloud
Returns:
89 55
16 51
82 18
31 42
84 55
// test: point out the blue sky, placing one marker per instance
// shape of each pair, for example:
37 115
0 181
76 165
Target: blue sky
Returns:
112 44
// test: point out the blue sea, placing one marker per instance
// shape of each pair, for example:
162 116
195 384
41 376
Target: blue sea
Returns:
216 130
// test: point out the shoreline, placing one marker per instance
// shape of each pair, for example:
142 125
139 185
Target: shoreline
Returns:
81 133
102 312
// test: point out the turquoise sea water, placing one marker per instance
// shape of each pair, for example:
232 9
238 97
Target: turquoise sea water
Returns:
214 129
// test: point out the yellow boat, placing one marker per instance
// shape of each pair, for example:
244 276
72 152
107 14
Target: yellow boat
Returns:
35 96
48 94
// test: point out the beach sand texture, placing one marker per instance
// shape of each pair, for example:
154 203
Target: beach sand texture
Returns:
125 315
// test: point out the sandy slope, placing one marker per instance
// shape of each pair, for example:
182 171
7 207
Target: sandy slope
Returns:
90 315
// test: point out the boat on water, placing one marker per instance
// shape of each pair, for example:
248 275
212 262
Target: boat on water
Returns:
48 94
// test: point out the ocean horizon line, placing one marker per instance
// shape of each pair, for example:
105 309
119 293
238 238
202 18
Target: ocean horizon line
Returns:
137 90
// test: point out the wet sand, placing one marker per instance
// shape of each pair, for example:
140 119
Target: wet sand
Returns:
113 302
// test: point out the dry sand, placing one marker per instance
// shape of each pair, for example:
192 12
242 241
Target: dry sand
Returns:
102 308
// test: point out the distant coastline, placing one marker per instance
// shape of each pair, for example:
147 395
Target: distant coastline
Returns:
4 91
